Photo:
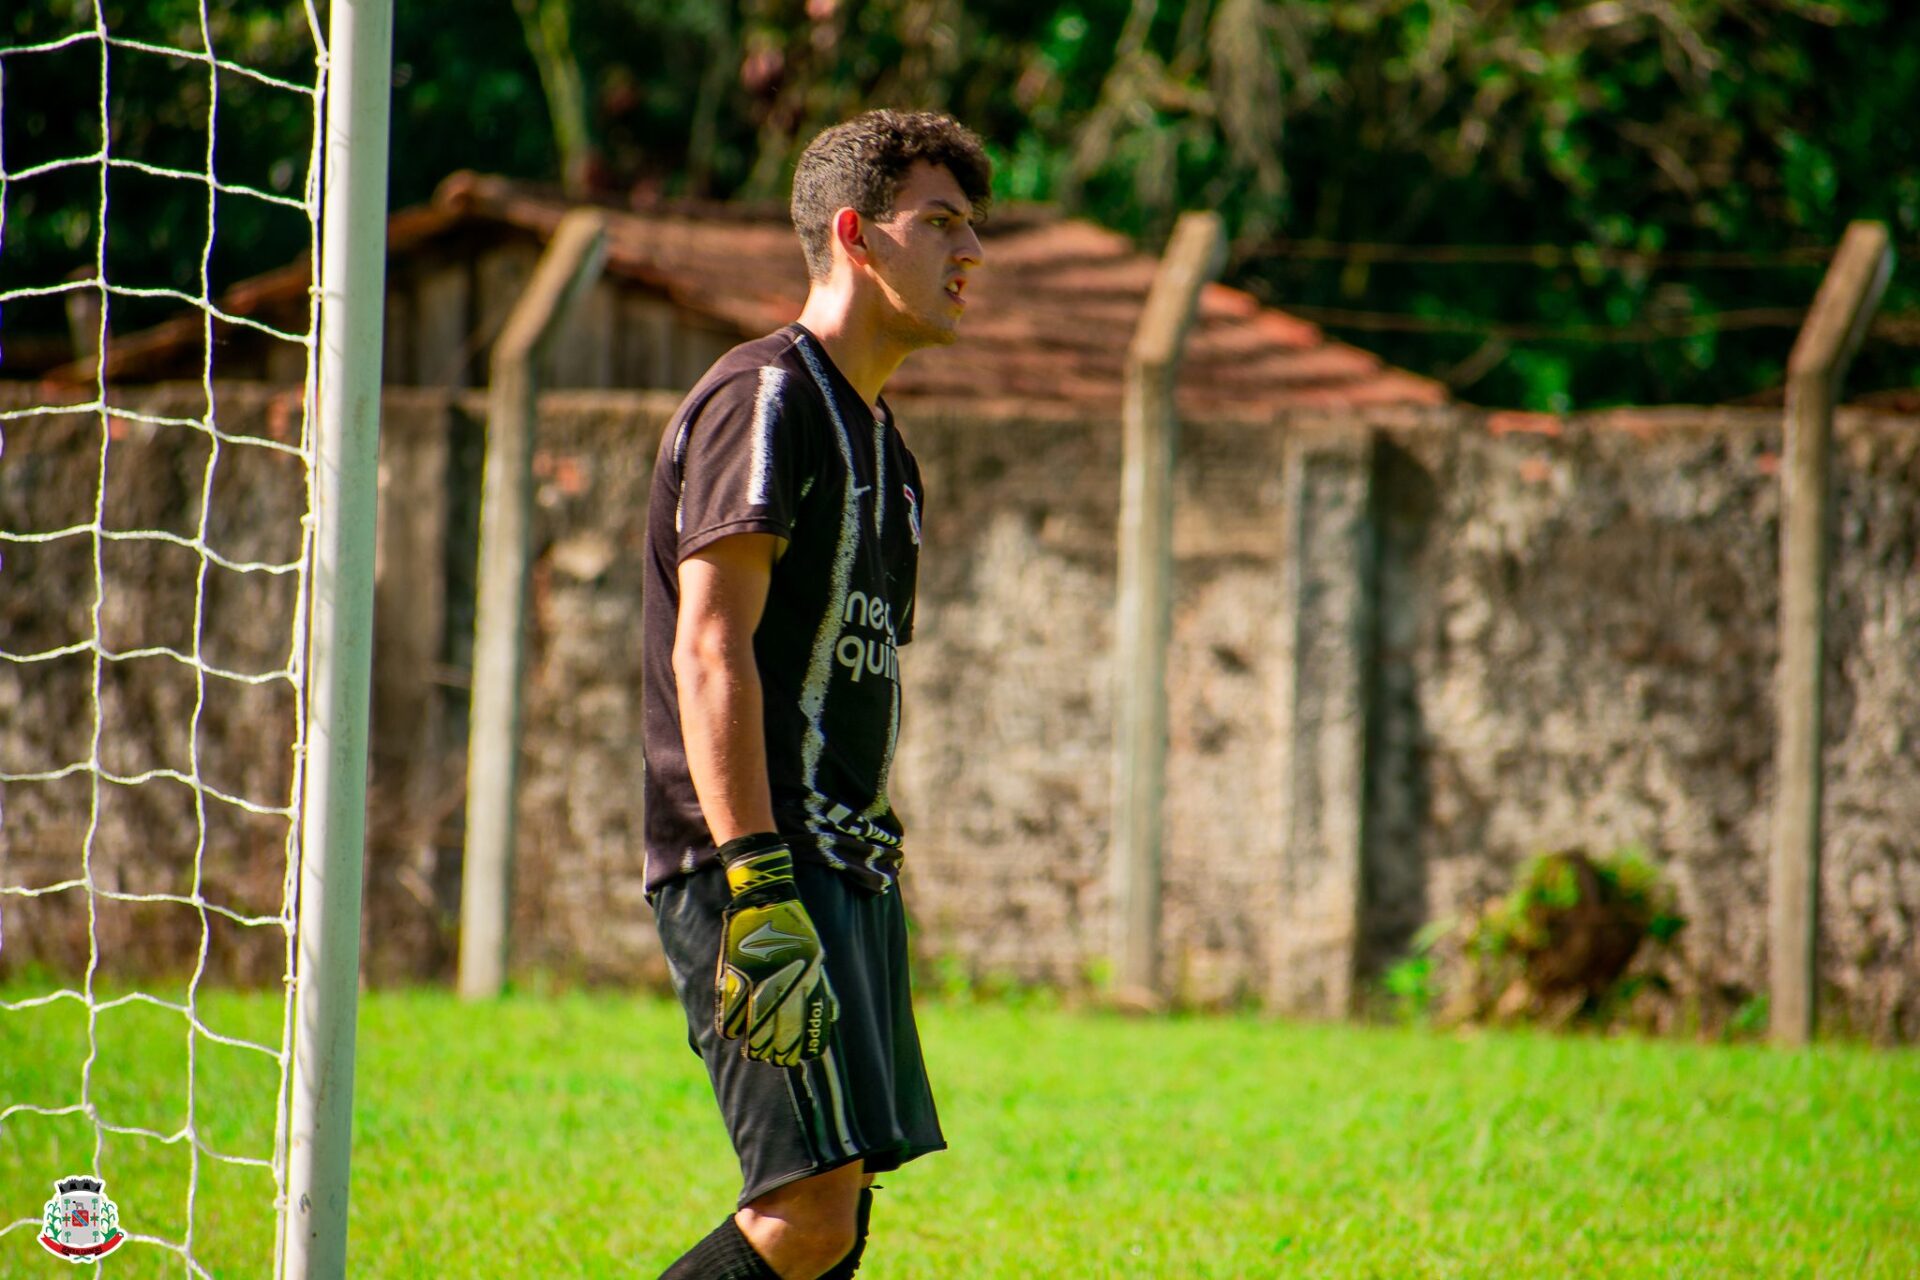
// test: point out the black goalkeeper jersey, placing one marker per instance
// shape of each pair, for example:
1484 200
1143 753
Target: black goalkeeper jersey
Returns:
775 440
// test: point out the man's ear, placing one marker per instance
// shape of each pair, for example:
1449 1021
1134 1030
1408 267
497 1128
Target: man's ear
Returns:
850 233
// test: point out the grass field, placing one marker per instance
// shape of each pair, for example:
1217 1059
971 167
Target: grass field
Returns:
574 1136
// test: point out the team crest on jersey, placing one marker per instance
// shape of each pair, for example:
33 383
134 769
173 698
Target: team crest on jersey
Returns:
913 514
81 1224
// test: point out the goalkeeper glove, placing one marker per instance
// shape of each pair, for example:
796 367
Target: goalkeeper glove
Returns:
772 990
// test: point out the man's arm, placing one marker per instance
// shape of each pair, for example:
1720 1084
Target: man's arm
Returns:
723 591
772 992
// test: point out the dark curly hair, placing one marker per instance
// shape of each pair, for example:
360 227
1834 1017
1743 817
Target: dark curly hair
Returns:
859 164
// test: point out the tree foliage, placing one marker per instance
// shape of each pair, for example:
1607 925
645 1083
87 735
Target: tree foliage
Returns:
1640 137
167 113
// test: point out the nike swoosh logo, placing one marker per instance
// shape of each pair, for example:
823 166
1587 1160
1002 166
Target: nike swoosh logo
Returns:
766 942
860 489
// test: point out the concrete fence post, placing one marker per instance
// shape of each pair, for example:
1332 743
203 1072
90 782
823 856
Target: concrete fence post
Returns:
1832 333
1142 623
1327 628
566 271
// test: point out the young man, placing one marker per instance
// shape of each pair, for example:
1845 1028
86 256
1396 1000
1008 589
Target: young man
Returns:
782 540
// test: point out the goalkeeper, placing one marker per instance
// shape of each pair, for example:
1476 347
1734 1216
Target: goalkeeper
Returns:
783 538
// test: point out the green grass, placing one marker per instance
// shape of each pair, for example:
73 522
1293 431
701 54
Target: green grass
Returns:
575 1136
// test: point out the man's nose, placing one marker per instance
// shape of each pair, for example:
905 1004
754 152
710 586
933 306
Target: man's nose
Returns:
969 251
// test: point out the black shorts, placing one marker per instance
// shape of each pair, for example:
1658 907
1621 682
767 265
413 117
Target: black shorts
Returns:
867 1097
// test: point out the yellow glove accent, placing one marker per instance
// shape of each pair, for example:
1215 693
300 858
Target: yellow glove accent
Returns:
771 991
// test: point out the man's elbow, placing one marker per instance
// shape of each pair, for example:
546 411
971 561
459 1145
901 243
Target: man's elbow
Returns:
704 655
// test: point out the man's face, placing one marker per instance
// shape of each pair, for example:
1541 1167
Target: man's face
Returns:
921 254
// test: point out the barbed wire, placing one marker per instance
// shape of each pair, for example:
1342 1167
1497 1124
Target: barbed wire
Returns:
1898 329
1546 256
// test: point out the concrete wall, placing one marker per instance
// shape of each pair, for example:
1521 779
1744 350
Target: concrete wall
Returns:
1577 648
100 631
1500 635
1410 650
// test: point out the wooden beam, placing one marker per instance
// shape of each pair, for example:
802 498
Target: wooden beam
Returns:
582 354
1827 342
566 271
83 321
1149 433
441 311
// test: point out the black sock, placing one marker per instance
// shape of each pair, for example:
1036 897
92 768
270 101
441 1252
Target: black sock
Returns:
724 1255
844 1269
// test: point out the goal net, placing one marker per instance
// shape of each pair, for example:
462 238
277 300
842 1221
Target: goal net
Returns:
157 549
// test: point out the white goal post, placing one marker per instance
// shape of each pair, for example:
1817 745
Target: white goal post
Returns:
352 310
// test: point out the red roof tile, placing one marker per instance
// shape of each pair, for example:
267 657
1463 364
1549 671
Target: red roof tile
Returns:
1053 307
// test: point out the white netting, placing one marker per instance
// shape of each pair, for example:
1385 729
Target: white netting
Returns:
152 729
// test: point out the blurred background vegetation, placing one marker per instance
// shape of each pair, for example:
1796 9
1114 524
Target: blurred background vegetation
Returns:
1547 205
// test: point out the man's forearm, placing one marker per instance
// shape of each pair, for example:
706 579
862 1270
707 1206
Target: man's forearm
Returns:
725 737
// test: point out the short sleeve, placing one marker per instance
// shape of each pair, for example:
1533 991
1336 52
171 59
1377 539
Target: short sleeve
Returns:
740 456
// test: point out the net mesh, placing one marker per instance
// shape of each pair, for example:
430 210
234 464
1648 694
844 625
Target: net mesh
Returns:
153 556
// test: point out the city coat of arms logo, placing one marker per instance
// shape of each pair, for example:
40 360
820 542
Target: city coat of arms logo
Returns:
81 1224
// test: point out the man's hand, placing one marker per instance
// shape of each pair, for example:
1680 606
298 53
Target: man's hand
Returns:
772 988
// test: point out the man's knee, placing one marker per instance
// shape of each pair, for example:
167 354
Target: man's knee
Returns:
811 1222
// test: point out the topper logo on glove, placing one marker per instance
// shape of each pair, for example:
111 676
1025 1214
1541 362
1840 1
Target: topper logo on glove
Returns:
771 992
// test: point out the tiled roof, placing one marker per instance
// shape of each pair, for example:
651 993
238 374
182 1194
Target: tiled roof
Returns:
1052 309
